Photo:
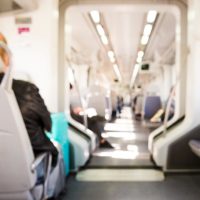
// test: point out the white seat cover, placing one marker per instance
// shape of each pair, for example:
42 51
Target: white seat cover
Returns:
15 149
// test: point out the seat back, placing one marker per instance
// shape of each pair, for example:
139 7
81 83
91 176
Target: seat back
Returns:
16 154
151 106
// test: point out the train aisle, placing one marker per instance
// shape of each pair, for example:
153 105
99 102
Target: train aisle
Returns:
129 156
129 139
175 187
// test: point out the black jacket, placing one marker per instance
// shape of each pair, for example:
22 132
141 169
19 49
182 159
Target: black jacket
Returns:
35 115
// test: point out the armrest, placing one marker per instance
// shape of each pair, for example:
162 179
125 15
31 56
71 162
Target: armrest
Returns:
195 146
38 160
47 159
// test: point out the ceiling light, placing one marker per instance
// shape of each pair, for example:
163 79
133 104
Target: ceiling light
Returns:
117 72
112 59
95 16
147 29
140 54
151 16
104 39
144 39
134 75
100 29
139 59
110 54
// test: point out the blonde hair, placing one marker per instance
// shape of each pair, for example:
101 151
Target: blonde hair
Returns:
3 53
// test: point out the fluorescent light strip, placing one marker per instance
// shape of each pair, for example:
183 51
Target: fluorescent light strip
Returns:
110 54
135 72
100 30
147 29
144 39
151 16
133 148
104 39
139 59
119 135
95 16
140 54
117 72
112 59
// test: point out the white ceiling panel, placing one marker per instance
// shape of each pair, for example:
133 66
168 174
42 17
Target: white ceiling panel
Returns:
124 27
163 37
124 30
83 38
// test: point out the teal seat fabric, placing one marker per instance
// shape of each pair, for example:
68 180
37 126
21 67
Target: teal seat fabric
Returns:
59 133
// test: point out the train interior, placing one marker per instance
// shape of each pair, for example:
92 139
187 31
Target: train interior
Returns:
120 80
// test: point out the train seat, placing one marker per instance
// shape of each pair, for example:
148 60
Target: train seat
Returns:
151 105
195 146
18 167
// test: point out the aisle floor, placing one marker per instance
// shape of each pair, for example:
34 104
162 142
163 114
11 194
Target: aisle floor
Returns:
130 140
175 187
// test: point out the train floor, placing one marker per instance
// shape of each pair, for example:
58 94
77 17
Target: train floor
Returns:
174 187
129 139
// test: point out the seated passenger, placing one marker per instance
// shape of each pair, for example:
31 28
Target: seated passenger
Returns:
95 123
139 106
34 112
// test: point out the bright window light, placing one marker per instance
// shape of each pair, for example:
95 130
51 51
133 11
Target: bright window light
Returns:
118 154
133 148
100 29
147 29
124 121
140 54
139 59
144 39
117 72
95 16
119 127
120 135
116 146
151 16
104 39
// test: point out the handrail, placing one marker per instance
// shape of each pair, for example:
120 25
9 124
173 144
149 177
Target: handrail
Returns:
167 111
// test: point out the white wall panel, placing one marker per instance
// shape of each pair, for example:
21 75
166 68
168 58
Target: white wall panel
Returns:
35 52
